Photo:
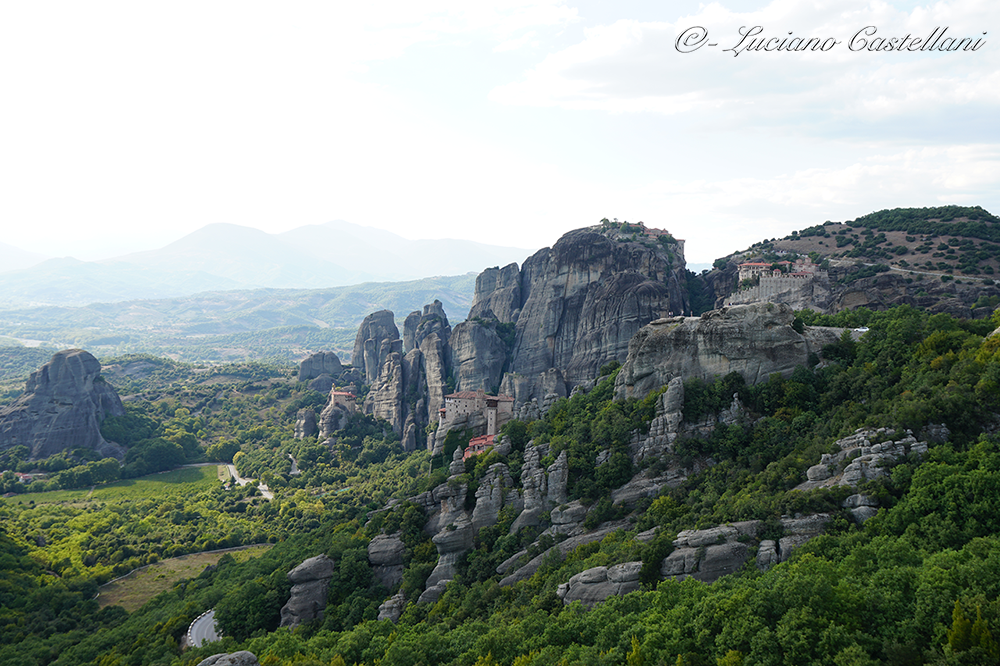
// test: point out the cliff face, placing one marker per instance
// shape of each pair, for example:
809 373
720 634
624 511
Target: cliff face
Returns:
576 305
534 332
63 407
754 340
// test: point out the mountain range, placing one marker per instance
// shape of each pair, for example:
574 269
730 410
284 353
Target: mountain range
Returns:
228 256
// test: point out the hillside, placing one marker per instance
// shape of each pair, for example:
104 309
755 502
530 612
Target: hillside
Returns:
905 586
755 485
941 259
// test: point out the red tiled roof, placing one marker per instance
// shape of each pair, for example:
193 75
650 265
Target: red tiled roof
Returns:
467 395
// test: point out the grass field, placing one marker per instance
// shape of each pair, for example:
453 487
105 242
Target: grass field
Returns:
140 586
183 481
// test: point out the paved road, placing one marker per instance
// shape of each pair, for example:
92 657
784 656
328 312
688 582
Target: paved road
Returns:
264 490
203 630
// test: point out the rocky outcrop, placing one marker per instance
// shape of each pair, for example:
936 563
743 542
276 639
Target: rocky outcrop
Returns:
498 294
386 556
373 344
526 570
796 531
451 542
63 406
392 608
567 519
431 338
862 507
410 331
664 427
583 299
534 485
493 489
707 555
320 363
860 459
305 424
310 584
754 340
385 399
241 658
592 586
576 305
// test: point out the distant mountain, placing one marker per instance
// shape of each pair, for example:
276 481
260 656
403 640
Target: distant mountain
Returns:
360 249
69 281
229 256
276 324
14 258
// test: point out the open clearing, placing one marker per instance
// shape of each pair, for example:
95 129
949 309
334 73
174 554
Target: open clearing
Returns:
183 481
133 591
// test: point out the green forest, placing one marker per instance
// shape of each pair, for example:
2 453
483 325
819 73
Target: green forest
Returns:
919 583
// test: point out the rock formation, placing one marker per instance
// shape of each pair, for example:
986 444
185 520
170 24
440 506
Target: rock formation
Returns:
310 584
63 406
392 608
478 356
593 586
432 339
754 340
373 344
385 554
320 363
709 554
498 294
859 459
494 487
664 427
305 424
576 305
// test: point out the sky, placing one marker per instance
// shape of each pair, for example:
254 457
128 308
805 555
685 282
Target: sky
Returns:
126 125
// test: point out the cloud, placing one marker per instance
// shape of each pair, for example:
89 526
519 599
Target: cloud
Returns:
633 66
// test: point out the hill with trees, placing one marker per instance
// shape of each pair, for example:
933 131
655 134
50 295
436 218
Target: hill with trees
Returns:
916 583
942 259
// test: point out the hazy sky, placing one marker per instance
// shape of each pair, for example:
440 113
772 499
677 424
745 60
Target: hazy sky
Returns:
125 125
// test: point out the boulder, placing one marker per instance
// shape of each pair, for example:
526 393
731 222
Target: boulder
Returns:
320 363
709 554
310 585
241 658
593 586
385 554
63 406
322 384
392 608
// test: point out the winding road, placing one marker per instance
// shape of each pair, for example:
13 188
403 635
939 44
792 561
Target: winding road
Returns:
203 630
264 490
